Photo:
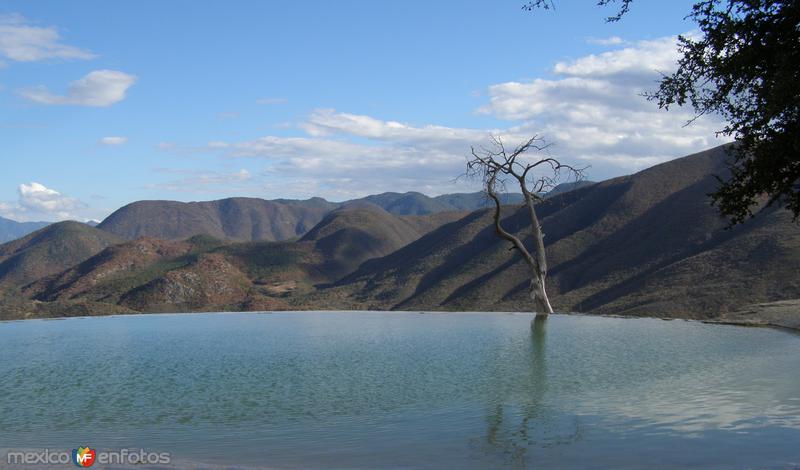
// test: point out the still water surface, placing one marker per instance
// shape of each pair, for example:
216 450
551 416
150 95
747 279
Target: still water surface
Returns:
378 390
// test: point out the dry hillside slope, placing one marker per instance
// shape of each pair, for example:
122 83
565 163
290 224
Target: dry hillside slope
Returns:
251 219
50 250
238 219
645 244
203 273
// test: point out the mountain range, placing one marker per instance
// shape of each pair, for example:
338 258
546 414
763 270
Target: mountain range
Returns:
645 244
251 219
11 229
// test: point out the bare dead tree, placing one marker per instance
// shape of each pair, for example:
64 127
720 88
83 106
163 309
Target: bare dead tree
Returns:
535 177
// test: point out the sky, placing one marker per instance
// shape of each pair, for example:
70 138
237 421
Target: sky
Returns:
105 103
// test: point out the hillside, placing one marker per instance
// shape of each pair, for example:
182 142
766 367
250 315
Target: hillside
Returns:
239 219
567 187
419 204
346 238
203 273
475 201
646 244
11 229
50 250
250 219
404 203
100 273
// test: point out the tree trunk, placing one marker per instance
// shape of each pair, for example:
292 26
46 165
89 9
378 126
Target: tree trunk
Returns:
496 166
538 292
539 296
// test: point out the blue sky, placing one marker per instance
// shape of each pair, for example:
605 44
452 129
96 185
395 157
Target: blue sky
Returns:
104 103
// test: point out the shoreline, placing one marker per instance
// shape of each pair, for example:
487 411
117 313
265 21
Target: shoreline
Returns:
755 316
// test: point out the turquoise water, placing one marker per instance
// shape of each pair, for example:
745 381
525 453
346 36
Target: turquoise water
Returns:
372 390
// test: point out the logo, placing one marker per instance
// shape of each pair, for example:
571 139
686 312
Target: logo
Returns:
84 456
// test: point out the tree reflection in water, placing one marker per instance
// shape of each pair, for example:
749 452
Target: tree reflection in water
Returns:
519 420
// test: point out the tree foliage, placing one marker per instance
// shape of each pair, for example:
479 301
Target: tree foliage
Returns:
742 66
745 68
549 5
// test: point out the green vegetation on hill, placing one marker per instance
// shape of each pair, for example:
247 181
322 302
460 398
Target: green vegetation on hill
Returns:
250 219
405 203
237 219
206 273
50 250
347 238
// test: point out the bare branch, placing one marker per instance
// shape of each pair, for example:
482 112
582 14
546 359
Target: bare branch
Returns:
515 242
534 177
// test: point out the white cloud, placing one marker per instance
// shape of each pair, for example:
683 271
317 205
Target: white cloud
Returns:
642 58
114 140
592 110
6 209
609 41
200 182
38 202
269 101
327 162
36 197
22 42
324 122
99 88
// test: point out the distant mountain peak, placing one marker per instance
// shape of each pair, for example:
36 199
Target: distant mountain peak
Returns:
11 229
253 219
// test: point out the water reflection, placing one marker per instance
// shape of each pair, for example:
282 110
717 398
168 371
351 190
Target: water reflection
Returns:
517 424
357 390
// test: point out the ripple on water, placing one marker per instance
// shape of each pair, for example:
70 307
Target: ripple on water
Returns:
360 389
